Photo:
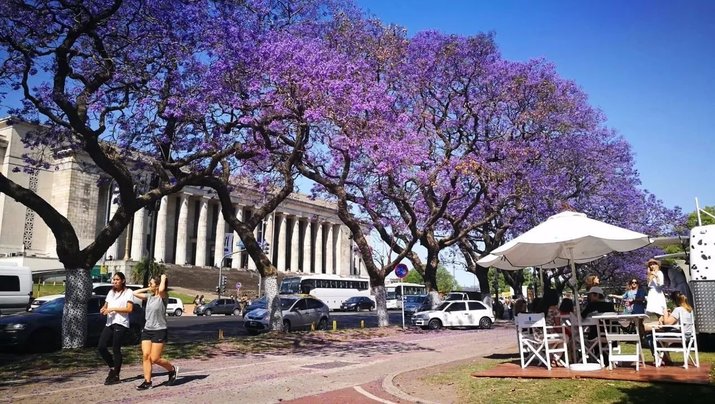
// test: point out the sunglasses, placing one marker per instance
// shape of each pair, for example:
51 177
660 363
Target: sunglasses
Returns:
634 283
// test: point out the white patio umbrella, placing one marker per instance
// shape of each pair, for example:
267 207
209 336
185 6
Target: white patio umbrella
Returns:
569 237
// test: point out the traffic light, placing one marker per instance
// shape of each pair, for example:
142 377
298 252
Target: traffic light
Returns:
218 289
224 281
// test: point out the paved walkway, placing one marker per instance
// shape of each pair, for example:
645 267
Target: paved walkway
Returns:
354 372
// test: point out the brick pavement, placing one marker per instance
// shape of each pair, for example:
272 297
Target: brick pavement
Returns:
359 371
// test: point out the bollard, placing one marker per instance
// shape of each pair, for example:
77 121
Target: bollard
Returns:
220 334
335 325
362 323
312 326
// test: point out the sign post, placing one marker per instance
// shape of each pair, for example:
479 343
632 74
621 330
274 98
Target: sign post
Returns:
401 271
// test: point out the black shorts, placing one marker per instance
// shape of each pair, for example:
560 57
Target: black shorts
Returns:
155 336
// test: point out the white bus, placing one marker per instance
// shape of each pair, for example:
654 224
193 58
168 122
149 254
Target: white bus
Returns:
333 290
395 292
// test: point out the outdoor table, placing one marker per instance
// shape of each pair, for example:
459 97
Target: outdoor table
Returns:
611 327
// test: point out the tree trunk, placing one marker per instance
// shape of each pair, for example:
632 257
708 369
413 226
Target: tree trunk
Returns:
78 289
383 320
273 301
482 275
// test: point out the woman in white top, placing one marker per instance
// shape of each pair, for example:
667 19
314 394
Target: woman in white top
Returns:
655 306
117 307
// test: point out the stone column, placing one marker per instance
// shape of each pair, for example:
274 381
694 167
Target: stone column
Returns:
329 250
307 247
160 240
251 264
220 234
318 248
182 230
113 250
236 258
202 233
281 247
294 241
339 260
138 235
268 235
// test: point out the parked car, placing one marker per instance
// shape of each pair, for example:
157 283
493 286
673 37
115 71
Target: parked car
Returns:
464 313
15 288
463 295
298 312
259 303
357 303
415 303
218 306
41 329
175 307
42 300
103 289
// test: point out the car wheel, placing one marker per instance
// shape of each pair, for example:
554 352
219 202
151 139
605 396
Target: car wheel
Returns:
323 324
370 308
207 312
434 324
44 340
236 312
286 325
252 332
178 312
485 322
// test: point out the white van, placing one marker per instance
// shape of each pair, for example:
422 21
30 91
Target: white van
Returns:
15 288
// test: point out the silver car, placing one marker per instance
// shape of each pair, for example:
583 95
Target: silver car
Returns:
299 312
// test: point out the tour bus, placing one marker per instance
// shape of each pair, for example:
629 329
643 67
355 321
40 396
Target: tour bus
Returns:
395 292
333 290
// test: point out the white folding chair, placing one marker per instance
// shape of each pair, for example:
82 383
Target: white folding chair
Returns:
537 341
676 338
612 336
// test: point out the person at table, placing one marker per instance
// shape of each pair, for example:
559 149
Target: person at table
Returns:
655 301
682 314
591 281
549 305
629 297
596 304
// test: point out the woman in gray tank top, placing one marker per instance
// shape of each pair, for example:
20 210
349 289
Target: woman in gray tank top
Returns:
154 334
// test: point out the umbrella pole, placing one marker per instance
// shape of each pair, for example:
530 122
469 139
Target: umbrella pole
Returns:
584 365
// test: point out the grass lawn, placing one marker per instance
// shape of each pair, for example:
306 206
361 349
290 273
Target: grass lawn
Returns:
497 390
59 288
47 289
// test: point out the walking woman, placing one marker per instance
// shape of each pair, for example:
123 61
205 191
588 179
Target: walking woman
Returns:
117 307
154 334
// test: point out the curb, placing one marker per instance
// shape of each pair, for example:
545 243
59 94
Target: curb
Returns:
389 387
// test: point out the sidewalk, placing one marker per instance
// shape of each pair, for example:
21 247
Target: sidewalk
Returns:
354 371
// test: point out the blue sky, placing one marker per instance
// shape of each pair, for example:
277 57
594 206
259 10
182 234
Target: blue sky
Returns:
648 65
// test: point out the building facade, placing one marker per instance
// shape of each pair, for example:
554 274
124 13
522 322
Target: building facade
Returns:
302 235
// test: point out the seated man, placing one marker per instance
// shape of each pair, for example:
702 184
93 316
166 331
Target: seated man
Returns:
596 304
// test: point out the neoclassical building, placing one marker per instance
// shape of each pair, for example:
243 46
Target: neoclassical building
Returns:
302 235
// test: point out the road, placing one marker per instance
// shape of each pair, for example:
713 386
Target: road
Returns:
194 329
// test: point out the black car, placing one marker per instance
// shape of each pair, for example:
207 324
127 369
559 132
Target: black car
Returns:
219 306
41 329
357 303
